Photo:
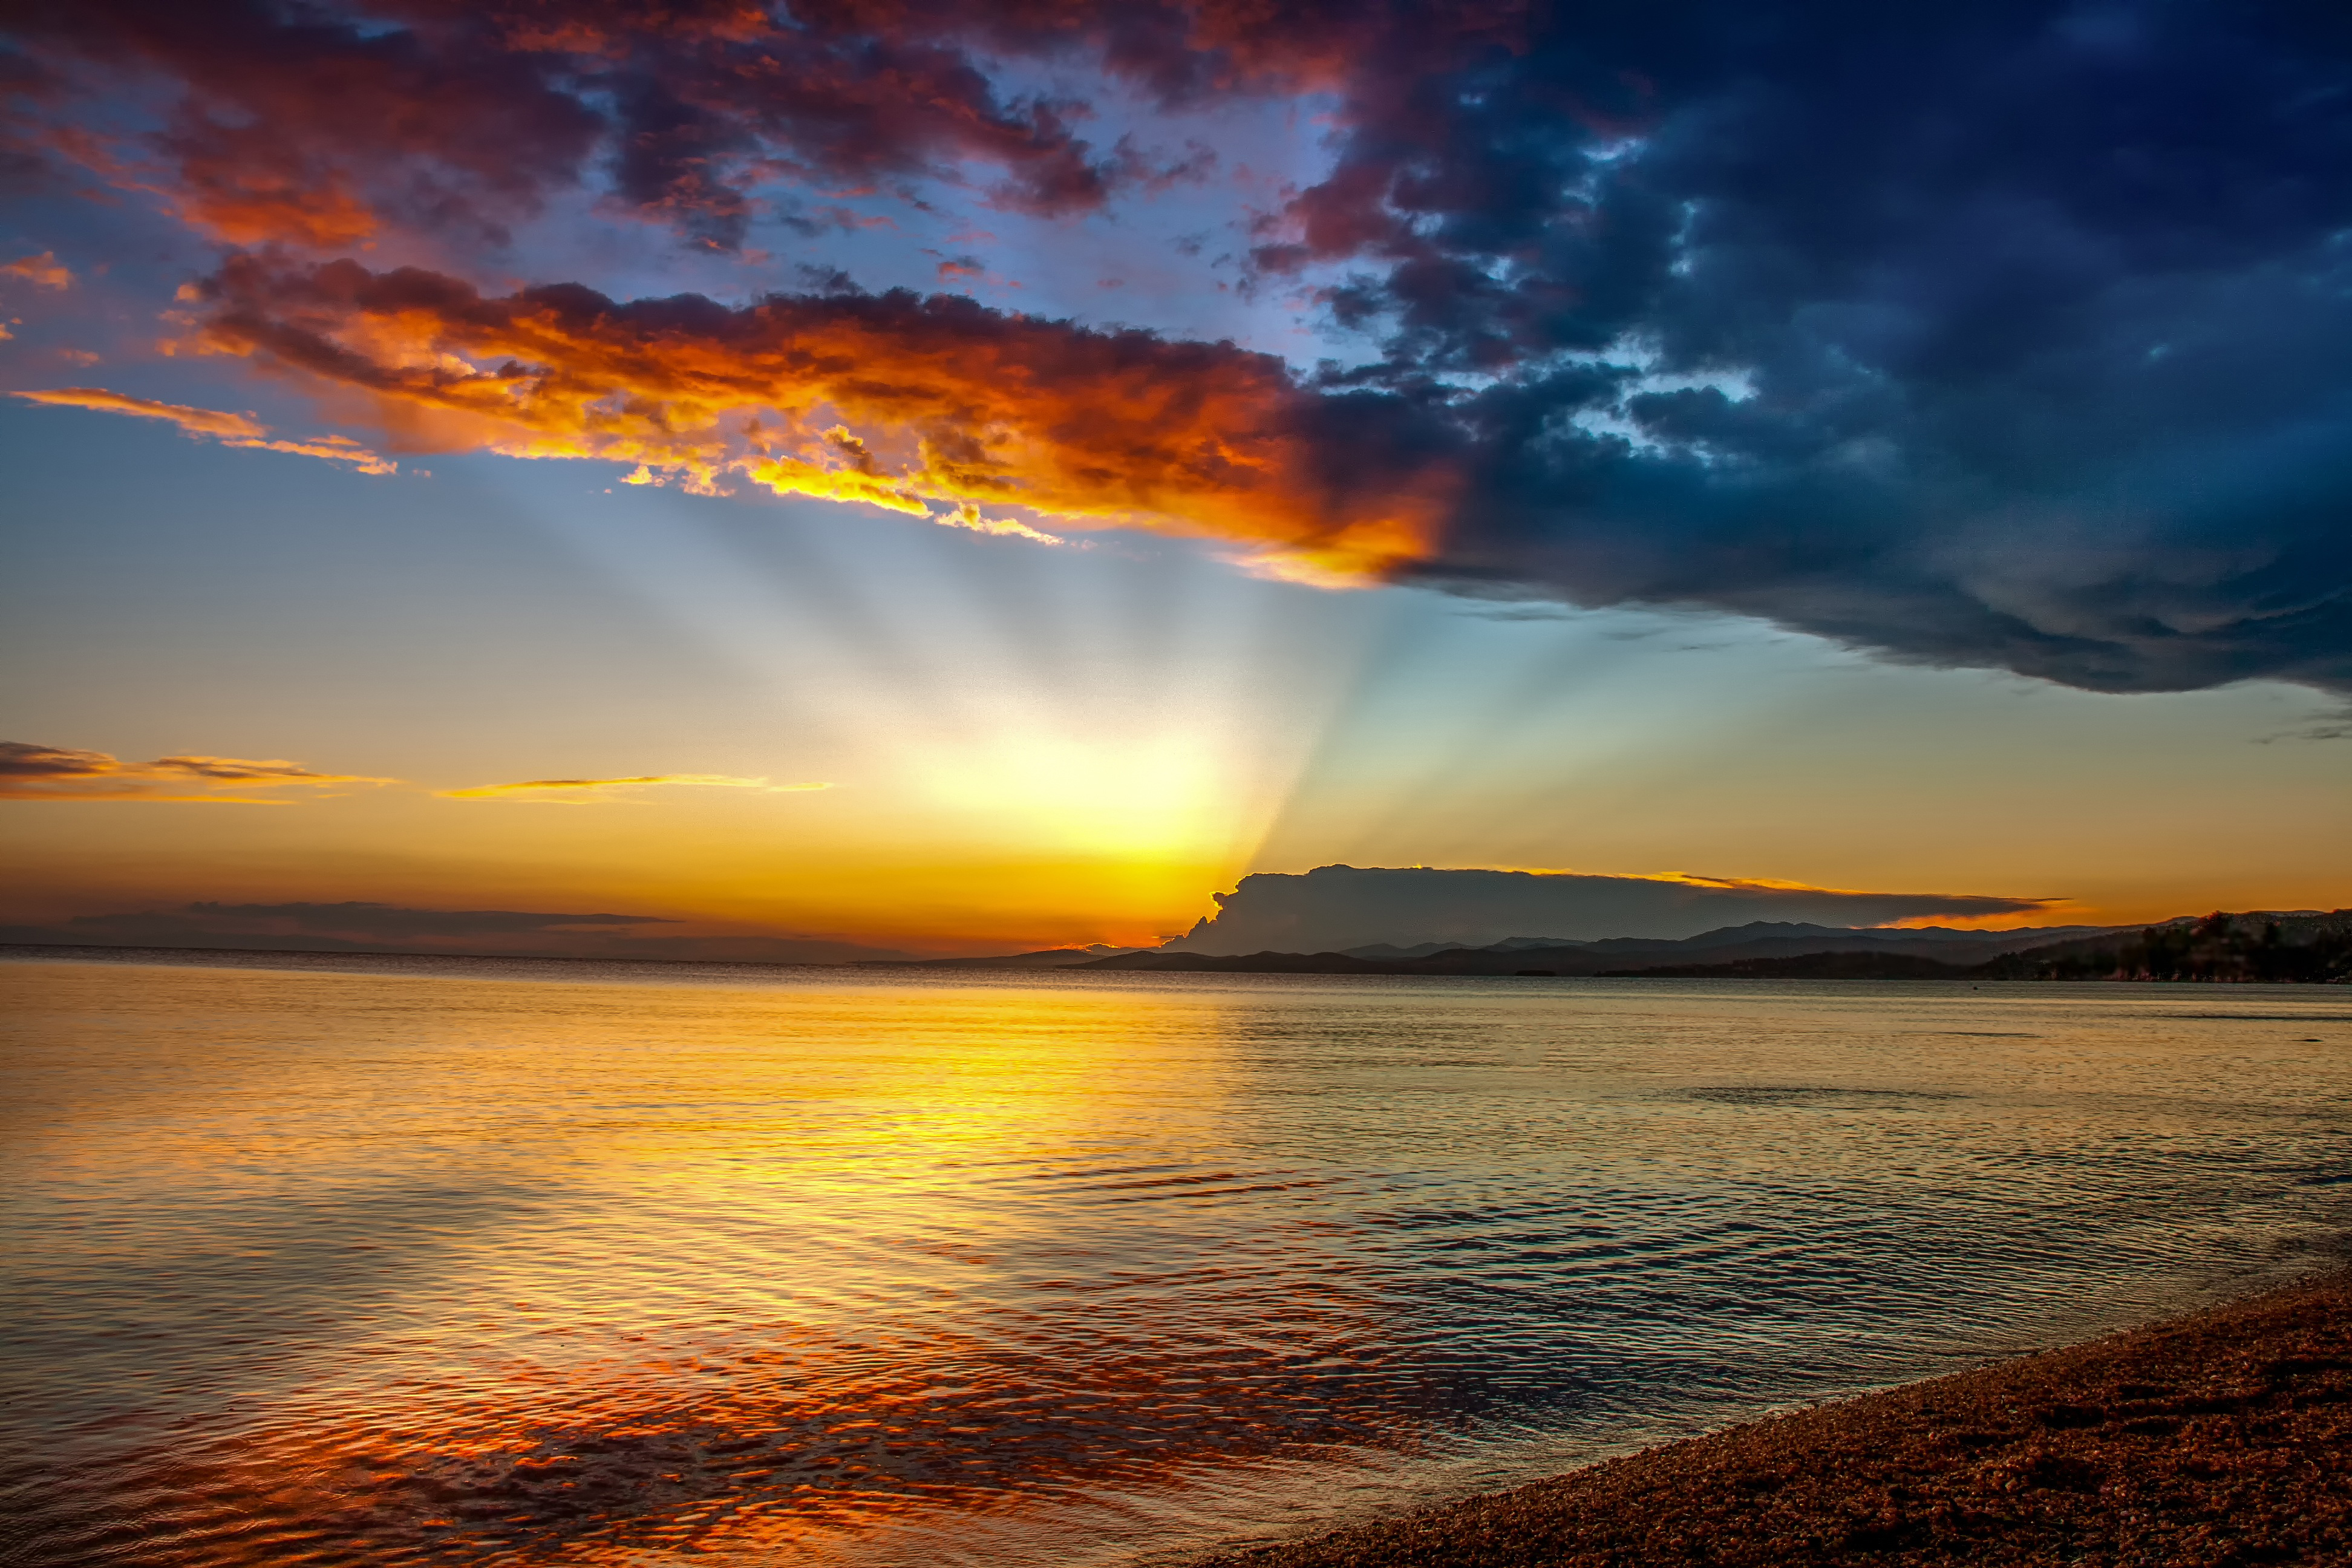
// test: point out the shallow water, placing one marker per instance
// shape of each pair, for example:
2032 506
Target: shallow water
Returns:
463 1261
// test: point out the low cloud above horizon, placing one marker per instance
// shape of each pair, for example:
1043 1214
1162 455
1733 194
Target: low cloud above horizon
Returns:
580 792
1334 908
358 926
29 772
38 772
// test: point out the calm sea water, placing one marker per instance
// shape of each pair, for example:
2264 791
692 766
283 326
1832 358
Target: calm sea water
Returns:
460 1261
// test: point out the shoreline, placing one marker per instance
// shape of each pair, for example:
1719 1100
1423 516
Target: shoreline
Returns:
2215 1438
230 957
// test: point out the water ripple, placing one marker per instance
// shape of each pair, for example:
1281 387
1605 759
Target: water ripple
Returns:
435 1262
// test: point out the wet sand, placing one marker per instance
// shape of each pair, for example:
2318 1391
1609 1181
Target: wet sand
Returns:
2222 1438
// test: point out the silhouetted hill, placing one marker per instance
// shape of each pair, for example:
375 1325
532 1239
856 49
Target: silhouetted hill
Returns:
2303 946
1258 964
2262 945
1046 958
1807 966
1756 941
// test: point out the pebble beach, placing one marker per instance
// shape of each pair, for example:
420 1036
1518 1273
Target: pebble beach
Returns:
2219 1438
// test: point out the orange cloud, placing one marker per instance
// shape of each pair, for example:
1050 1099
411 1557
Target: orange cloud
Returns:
229 429
933 406
578 791
44 270
194 421
29 772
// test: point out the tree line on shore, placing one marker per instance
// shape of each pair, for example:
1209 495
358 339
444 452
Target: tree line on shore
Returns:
2218 947
2302 947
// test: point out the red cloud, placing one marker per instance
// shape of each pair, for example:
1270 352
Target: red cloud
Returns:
44 271
930 406
323 128
311 130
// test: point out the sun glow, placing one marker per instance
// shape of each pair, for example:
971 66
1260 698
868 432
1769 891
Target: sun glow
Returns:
1155 797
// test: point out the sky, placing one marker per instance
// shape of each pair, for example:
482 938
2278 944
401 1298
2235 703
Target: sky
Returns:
715 479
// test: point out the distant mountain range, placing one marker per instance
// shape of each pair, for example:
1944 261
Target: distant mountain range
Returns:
1758 940
2292 946
1562 955
1555 955
1046 958
2296 945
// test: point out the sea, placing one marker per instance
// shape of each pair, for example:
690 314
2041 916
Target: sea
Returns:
391 1261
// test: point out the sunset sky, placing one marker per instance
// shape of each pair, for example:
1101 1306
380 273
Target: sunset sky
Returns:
956 478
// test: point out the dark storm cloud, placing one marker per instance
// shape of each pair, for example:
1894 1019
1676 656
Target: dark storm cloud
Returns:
2005 335
2016 335
1994 335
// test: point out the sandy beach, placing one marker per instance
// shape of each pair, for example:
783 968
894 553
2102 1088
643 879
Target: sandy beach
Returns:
2218 1438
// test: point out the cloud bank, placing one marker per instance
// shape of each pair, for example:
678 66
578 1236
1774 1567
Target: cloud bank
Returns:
1334 908
961 406
2010 335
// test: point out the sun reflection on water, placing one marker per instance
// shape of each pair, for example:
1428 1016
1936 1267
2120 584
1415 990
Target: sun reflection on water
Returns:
729 1287
552 1264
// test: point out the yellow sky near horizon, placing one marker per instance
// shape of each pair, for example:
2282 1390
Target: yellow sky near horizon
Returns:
1014 842
1025 746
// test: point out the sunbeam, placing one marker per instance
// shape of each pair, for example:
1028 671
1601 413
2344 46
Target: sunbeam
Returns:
1063 785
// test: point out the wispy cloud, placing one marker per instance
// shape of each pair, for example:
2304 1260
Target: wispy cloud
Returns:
2330 726
584 792
229 429
44 270
30 772
210 422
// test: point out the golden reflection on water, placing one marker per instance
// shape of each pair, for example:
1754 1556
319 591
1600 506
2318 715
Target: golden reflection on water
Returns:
730 1297
499 1264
